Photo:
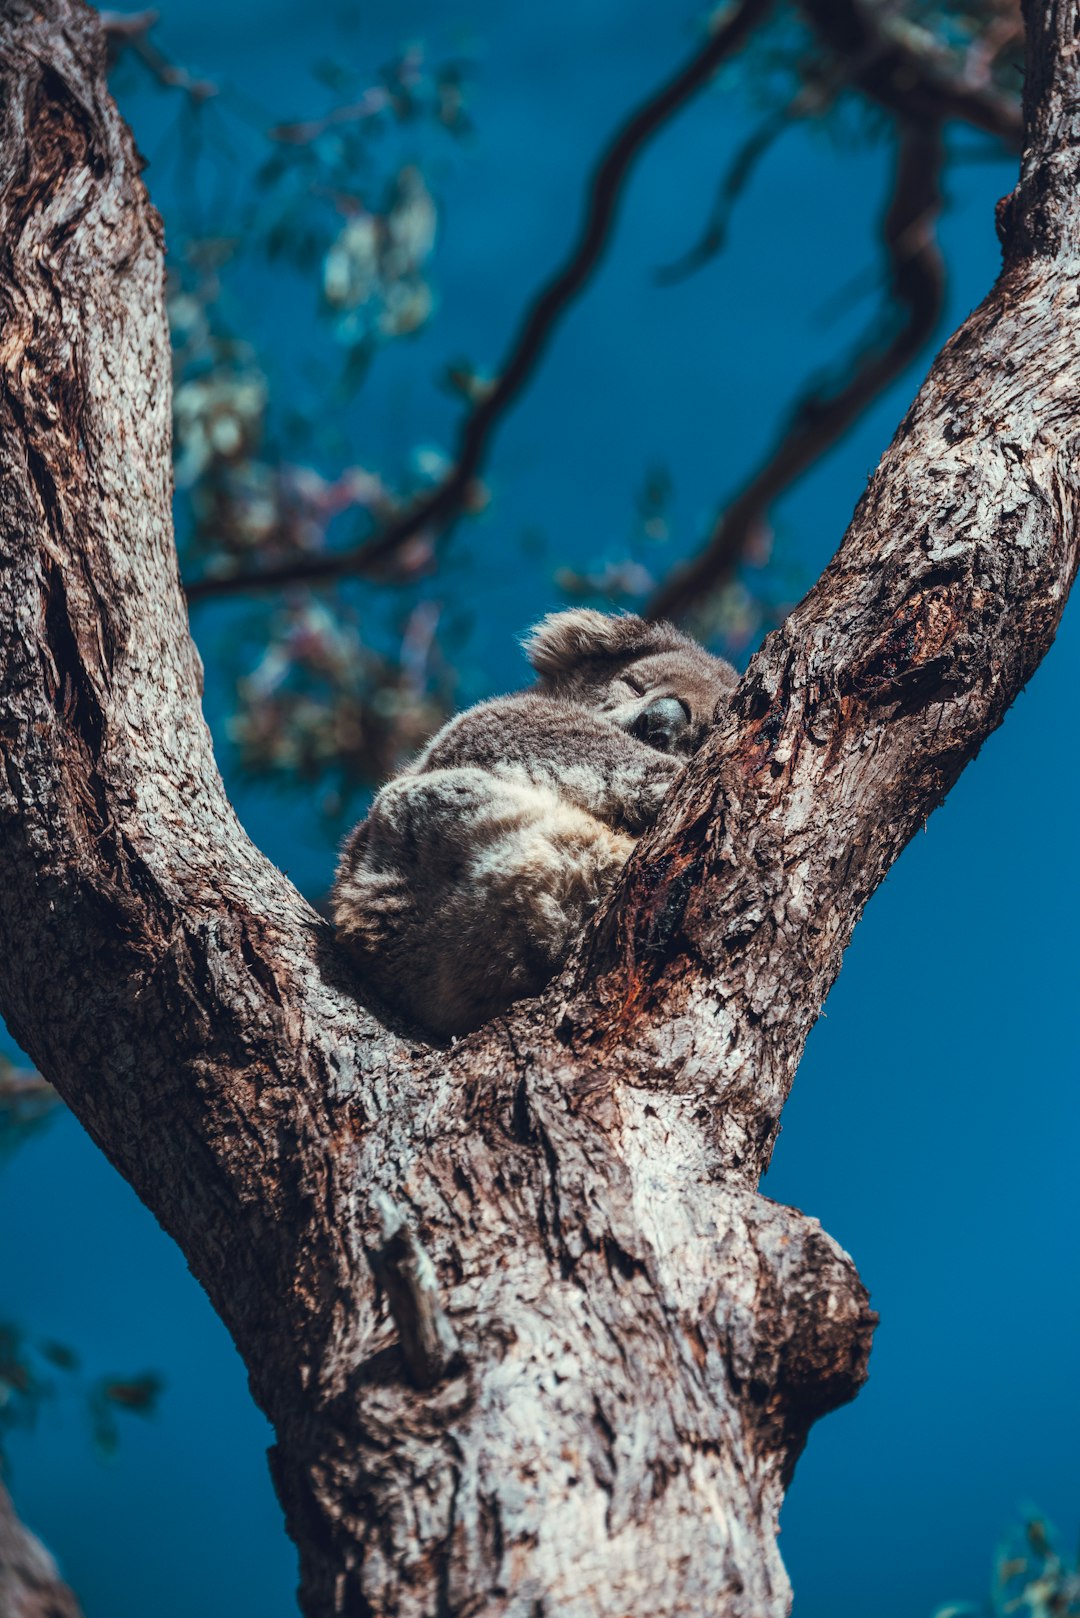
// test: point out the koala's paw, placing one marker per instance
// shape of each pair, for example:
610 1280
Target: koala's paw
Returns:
653 789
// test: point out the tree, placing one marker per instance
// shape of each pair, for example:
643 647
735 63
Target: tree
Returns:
529 1336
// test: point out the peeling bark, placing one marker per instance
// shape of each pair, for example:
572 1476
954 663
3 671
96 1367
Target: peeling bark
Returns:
530 1338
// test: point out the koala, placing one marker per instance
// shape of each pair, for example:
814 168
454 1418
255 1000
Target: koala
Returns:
480 862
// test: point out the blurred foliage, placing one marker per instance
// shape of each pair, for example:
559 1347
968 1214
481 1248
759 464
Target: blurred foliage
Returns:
324 695
33 1373
982 40
26 1104
373 270
323 708
1032 1579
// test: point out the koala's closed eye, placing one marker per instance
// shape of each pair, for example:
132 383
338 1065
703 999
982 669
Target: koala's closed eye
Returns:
477 867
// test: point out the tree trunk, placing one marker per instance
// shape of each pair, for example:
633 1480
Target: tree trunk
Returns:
531 1340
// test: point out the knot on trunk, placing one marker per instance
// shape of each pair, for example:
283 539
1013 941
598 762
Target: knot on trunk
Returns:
805 1347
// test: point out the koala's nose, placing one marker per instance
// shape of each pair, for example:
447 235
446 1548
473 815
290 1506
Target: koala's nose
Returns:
664 724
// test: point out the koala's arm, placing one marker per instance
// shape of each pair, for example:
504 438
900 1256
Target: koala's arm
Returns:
585 758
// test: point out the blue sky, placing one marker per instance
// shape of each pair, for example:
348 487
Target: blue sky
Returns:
934 1124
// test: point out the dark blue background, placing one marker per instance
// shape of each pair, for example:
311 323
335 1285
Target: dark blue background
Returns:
934 1125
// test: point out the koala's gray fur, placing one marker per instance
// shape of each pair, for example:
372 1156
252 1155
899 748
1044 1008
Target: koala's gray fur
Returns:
478 865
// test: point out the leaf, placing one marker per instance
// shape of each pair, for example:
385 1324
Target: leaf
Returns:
138 1394
58 1354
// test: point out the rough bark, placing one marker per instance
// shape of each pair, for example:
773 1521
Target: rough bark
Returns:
531 1340
30 1585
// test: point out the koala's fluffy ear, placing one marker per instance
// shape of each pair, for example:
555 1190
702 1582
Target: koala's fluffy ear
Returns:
562 641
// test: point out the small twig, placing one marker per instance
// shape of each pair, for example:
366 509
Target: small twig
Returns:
124 25
918 285
129 30
429 1344
758 143
370 105
440 509
812 100
871 52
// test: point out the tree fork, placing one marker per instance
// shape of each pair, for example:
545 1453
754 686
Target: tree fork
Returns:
530 1338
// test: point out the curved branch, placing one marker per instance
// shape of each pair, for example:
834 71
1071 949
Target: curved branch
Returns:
441 508
861 53
917 276
919 86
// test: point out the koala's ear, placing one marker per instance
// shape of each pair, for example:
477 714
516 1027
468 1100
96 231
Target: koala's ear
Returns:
562 641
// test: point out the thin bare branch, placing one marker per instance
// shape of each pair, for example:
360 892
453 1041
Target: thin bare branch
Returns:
813 99
371 104
130 30
741 170
439 509
120 26
907 75
917 285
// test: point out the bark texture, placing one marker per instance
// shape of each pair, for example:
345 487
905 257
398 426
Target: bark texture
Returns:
531 1340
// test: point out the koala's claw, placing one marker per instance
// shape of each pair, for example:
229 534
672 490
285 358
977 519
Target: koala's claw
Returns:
647 803
662 779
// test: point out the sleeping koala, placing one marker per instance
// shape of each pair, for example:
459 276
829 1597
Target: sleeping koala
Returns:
478 865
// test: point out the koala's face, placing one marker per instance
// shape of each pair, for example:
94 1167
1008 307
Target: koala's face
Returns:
667 699
647 678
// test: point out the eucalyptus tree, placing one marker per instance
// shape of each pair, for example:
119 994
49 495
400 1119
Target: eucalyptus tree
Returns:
530 1338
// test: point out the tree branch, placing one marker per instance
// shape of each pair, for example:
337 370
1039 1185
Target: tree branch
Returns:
917 284
915 81
920 88
30 1585
644 1341
917 84
441 508
130 30
750 153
